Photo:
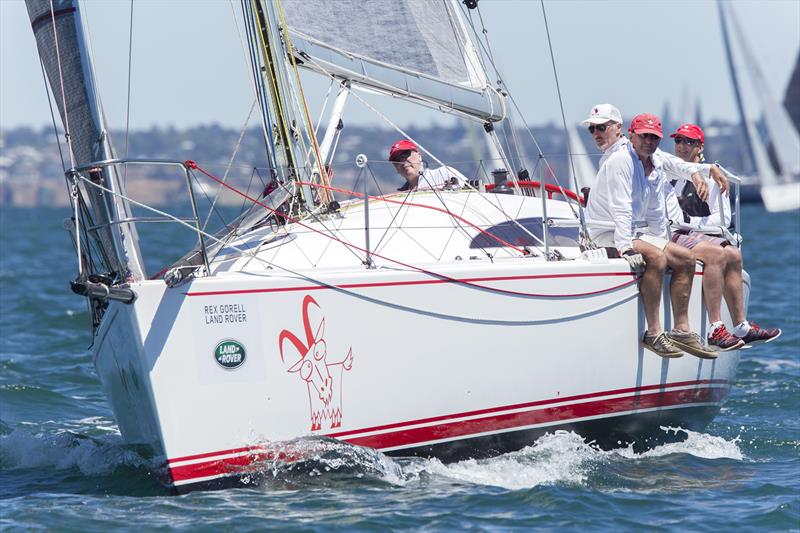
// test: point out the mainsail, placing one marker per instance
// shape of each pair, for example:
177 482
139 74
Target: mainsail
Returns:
418 49
65 57
781 131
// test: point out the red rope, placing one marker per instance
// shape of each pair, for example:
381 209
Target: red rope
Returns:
193 166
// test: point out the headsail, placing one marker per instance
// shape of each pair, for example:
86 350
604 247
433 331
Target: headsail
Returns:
59 36
417 49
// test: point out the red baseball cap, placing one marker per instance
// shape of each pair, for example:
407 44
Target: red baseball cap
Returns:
401 146
646 123
690 131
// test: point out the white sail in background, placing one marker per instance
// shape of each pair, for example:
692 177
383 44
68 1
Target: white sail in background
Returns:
781 131
413 48
581 164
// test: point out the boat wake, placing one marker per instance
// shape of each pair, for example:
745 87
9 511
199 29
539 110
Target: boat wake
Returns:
561 458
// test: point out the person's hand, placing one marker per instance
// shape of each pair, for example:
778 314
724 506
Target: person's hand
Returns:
636 261
700 186
720 179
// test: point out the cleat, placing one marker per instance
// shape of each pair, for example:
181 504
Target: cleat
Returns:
723 341
691 343
661 345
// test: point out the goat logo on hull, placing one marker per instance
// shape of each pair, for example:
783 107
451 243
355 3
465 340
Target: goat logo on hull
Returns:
323 378
230 354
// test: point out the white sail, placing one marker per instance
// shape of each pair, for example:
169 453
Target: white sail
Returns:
581 164
781 131
412 48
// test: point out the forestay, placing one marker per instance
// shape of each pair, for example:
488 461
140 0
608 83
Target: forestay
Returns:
419 49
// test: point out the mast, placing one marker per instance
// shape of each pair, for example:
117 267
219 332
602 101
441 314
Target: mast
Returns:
61 42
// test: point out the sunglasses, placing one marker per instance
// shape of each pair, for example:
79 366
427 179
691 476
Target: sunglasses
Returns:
649 136
402 156
684 140
599 127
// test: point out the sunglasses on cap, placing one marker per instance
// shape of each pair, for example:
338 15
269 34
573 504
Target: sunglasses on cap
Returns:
599 127
684 140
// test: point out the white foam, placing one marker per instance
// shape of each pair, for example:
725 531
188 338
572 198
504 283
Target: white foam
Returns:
562 457
700 445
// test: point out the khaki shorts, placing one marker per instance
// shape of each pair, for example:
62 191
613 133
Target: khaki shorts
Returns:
606 239
658 242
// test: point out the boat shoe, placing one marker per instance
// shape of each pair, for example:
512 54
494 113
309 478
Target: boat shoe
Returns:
661 345
692 343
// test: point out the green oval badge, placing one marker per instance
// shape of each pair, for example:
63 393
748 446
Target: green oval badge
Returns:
229 354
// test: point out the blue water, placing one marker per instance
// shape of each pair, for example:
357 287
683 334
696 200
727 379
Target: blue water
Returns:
63 465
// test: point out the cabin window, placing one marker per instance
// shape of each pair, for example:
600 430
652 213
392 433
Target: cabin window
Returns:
511 232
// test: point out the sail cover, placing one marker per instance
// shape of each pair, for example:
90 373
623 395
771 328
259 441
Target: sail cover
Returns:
419 49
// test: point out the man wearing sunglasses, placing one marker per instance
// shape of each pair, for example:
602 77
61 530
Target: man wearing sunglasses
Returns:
626 212
407 161
722 270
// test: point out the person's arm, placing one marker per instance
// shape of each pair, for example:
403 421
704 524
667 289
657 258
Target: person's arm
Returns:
620 173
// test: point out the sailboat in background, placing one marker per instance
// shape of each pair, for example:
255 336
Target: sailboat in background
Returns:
780 187
443 322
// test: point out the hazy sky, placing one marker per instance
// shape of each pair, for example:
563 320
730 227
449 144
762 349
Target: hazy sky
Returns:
189 67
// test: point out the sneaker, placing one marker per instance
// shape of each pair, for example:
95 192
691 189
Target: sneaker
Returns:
757 335
660 345
691 342
722 341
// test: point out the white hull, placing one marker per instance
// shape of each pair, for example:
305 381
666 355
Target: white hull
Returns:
781 197
437 368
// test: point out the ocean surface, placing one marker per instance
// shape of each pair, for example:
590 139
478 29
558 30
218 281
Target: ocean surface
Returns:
63 465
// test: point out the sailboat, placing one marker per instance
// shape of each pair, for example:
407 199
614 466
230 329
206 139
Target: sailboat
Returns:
780 191
444 322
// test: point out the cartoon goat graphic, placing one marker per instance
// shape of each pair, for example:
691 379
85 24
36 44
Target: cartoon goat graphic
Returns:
323 382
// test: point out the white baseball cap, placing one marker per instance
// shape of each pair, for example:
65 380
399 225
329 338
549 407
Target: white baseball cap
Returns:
602 113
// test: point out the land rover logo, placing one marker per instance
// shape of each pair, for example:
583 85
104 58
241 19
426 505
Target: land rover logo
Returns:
229 354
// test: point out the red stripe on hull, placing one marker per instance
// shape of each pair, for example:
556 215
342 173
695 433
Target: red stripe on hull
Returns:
459 429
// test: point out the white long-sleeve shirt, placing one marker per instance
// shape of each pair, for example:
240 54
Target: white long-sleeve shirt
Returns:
436 178
624 200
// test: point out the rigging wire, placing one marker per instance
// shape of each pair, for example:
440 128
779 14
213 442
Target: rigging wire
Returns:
67 131
128 105
563 115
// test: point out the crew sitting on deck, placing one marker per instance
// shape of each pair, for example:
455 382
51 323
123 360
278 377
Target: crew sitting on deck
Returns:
722 271
625 211
408 162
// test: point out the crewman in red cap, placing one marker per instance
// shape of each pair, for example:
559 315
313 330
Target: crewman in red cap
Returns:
408 162
626 212
722 263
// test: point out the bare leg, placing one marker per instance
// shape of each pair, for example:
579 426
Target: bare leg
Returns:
682 262
651 283
734 289
714 268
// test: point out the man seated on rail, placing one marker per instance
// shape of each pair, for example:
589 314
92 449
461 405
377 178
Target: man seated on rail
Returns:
722 270
407 161
626 211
